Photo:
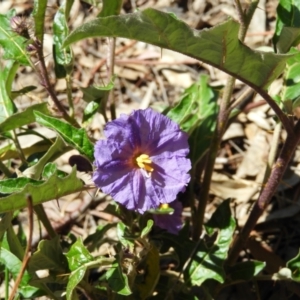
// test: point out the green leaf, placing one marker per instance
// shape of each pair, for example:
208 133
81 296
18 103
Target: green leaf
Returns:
50 169
78 255
218 46
13 44
23 118
57 149
39 12
294 266
197 103
97 97
124 236
13 185
73 136
49 256
208 261
23 91
5 222
53 188
147 229
117 280
110 8
74 279
289 37
288 15
8 151
291 87
13 264
90 110
63 57
205 99
7 107
245 270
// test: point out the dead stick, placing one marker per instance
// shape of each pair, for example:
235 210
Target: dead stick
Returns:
28 247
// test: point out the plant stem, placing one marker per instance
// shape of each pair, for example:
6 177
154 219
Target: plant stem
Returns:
222 122
39 210
69 95
46 83
111 66
27 250
267 193
4 169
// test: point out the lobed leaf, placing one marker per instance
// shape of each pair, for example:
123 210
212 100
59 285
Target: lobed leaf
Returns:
25 117
51 189
49 256
218 46
71 135
13 185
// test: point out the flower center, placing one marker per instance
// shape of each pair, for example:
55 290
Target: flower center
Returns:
144 162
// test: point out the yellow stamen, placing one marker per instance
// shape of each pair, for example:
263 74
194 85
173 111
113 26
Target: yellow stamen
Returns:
164 206
144 162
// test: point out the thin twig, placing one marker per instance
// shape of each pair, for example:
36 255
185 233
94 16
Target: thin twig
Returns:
28 247
111 68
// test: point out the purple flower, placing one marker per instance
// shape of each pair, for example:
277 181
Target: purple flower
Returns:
170 222
142 163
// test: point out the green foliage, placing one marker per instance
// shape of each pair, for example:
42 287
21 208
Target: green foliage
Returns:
218 46
53 188
63 57
25 117
39 13
210 256
14 265
290 94
13 44
97 97
141 260
245 270
287 32
110 8
7 107
71 135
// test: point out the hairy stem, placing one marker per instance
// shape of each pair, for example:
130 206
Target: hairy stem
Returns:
267 193
46 83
